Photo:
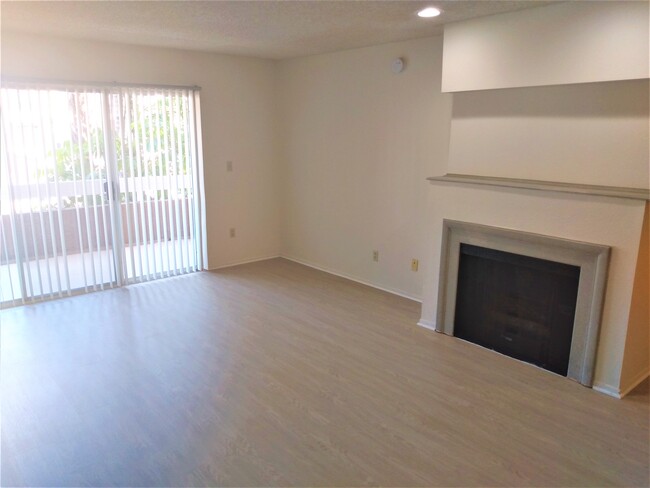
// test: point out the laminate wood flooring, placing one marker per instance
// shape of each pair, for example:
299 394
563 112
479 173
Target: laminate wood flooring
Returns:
272 374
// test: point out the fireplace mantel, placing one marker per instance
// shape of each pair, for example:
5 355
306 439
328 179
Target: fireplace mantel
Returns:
551 186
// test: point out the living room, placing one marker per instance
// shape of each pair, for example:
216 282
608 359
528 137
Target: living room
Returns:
301 221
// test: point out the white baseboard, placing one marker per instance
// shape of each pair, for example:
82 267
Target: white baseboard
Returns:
247 261
618 392
427 324
607 390
351 278
634 383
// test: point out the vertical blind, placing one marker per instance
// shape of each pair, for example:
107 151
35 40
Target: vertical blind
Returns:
100 187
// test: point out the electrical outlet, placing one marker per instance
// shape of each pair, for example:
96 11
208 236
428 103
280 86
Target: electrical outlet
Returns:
414 264
228 165
375 256
232 232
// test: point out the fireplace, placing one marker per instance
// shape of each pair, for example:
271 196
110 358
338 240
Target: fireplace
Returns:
533 297
520 306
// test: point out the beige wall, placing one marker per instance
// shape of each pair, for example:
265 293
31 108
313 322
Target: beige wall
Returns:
359 142
239 124
567 42
636 364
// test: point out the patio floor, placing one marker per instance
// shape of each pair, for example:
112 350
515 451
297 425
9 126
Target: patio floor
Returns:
93 271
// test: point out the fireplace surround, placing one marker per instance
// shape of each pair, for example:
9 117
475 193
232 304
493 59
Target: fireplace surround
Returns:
591 259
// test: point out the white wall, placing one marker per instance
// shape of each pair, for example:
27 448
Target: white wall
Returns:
239 110
359 142
566 42
591 133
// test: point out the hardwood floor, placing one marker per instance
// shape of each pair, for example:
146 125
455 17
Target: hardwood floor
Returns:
272 374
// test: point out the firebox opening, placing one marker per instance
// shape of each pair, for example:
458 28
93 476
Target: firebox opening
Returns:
517 305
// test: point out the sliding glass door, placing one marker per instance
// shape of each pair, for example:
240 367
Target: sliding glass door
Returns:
100 187
157 179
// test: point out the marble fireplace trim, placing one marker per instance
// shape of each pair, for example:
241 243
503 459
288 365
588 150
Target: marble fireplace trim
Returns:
593 260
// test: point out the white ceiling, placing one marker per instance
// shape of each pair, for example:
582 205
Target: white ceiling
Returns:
270 29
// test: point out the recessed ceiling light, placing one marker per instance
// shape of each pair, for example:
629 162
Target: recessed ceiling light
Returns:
429 12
